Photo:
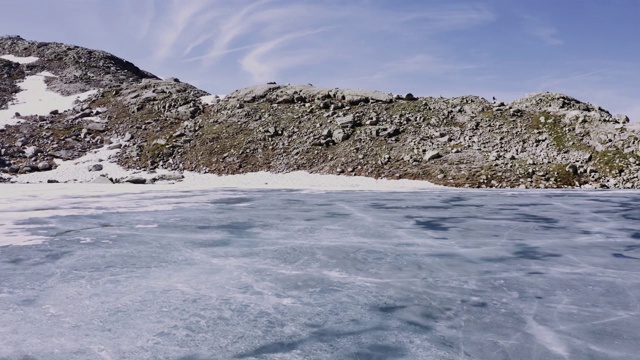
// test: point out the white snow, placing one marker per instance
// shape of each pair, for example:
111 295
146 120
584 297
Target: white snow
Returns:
301 180
35 99
19 59
78 170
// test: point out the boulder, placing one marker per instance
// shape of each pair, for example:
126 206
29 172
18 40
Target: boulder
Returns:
96 126
340 135
101 180
96 167
44 166
621 118
346 121
432 155
135 180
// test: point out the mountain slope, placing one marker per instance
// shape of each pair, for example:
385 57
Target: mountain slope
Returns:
544 140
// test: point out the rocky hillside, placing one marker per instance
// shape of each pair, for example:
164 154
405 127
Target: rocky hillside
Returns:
10 74
77 69
541 141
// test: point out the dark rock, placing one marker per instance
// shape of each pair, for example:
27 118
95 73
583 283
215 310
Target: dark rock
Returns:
389 133
96 167
136 180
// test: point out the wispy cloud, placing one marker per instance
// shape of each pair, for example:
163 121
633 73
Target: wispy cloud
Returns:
544 32
239 23
429 64
421 66
454 17
184 13
147 18
263 39
263 63
555 81
548 34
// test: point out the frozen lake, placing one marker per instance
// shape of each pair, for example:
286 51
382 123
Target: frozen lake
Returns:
220 274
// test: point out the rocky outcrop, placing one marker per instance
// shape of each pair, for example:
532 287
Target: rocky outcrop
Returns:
541 141
290 94
10 74
77 69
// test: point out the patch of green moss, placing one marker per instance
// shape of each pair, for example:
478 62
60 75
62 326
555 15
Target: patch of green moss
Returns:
151 152
562 175
612 162
487 114
105 99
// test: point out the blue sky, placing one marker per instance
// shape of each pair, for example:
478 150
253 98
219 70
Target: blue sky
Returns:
505 48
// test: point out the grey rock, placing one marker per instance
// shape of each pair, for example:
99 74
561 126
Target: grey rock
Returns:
44 166
346 121
96 126
168 177
432 155
340 136
102 180
621 118
273 93
27 168
96 167
64 154
389 133
136 180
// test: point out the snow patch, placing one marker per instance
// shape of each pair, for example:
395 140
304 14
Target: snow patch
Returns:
35 99
20 59
78 170
300 180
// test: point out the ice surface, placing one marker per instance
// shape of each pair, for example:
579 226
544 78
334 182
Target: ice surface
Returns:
274 274
35 99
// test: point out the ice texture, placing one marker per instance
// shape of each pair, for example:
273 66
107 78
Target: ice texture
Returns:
268 274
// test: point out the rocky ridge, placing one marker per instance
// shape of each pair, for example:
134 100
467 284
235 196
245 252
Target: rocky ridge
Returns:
544 140
77 69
